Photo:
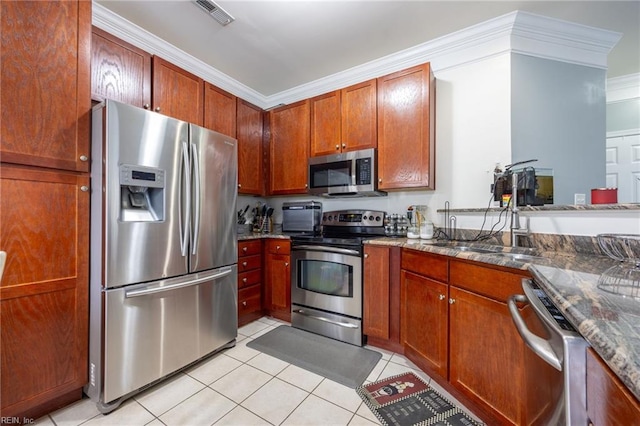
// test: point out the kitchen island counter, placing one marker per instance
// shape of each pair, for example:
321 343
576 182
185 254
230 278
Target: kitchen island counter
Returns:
609 322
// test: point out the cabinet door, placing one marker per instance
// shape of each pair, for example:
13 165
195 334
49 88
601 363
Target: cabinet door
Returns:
376 303
359 116
278 285
325 124
424 320
406 129
289 146
219 110
119 70
177 93
486 354
44 226
250 134
45 103
609 402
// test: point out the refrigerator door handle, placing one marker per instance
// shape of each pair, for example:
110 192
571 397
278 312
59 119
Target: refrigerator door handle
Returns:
196 174
153 289
184 223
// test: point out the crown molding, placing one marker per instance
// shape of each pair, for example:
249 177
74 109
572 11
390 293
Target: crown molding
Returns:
515 32
563 41
623 88
114 24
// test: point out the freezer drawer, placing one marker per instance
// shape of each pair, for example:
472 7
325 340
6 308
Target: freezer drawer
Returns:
154 329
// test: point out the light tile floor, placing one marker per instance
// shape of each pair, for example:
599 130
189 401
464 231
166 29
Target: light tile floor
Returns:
241 386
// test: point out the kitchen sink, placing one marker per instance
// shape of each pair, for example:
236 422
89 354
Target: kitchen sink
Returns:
517 256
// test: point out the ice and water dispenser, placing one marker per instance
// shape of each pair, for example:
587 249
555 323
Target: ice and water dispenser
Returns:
142 195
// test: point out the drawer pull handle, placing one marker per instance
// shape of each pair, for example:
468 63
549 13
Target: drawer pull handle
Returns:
244 263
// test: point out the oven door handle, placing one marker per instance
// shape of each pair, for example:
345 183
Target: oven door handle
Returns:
327 249
319 318
538 345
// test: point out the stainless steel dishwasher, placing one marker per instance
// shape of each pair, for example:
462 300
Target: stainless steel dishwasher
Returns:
564 350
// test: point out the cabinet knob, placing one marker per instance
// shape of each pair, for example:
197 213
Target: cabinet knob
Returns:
244 249
452 301
344 145
244 280
84 188
337 147
380 180
239 186
366 255
157 109
244 263
83 158
441 297
306 185
286 264
146 106
244 303
277 248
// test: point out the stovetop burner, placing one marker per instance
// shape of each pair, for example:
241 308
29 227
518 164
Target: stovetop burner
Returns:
345 228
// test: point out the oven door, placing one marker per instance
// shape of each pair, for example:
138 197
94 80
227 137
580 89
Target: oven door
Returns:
327 278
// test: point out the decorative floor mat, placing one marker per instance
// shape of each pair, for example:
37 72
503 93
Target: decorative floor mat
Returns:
405 400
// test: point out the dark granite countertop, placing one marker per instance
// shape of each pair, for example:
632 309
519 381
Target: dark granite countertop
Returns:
609 322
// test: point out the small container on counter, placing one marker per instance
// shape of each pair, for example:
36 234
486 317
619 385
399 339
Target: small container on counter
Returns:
426 230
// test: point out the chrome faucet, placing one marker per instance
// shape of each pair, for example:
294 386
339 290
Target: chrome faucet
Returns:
516 229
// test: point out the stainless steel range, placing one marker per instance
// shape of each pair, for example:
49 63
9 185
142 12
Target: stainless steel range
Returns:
326 274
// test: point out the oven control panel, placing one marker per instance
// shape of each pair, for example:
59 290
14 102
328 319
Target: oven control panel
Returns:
353 218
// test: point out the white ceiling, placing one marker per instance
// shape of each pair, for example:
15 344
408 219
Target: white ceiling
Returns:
273 46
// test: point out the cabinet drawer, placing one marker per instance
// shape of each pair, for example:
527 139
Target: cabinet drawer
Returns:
249 262
278 246
249 247
426 264
246 279
493 283
249 299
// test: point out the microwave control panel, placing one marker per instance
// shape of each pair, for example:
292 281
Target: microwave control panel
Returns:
363 171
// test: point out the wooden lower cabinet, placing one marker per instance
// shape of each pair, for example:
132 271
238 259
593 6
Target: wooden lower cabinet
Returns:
277 262
250 286
609 402
44 229
381 297
425 320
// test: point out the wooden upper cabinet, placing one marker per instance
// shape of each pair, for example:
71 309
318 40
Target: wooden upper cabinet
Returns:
177 93
289 149
45 80
250 120
406 129
119 71
219 110
325 124
344 120
359 116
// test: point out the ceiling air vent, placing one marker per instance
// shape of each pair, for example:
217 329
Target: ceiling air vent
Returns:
215 11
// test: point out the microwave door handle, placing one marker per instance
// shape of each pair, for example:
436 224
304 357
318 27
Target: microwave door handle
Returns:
196 178
541 347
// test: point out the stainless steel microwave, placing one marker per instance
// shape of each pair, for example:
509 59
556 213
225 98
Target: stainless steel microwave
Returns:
349 174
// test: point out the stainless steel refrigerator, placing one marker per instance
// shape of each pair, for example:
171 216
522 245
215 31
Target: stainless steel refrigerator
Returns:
163 277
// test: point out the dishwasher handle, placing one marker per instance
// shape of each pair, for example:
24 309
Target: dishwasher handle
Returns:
538 345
